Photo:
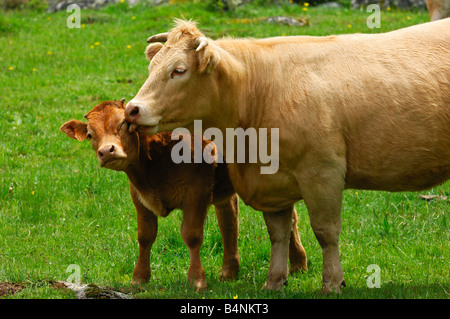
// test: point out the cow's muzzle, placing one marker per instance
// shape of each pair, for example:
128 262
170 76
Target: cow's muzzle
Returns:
141 119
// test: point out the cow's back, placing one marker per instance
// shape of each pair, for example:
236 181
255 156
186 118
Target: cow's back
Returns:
382 99
397 128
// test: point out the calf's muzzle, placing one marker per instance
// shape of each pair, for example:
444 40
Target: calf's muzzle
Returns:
106 153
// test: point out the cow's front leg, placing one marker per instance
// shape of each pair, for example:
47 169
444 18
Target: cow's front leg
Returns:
322 194
147 230
192 234
227 213
279 225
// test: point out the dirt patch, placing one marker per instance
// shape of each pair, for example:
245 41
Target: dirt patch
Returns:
7 288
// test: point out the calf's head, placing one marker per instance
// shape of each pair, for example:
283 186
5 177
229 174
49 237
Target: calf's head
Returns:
109 134
181 86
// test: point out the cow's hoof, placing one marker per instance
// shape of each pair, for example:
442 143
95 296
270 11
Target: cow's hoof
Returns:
329 288
275 285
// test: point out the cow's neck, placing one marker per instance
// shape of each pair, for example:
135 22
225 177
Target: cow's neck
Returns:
249 87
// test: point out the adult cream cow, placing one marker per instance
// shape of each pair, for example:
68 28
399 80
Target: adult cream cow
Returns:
438 9
353 111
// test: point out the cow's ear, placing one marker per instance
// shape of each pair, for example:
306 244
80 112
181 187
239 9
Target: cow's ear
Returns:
75 129
207 55
152 49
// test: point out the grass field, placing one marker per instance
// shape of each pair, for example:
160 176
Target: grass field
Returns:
58 207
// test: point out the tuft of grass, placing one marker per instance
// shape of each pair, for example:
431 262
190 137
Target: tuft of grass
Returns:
58 208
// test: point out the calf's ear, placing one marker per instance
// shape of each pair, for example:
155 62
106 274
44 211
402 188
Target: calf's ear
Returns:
152 49
208 57
75 129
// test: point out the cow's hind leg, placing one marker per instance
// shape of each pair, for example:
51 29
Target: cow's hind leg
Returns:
227 213
192 234
279 226
297 254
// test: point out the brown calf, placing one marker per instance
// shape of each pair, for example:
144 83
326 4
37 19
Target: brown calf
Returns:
158 186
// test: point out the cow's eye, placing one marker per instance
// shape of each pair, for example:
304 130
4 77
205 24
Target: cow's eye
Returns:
177 71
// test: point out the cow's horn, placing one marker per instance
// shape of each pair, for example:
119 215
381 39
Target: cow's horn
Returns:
201 42
161 37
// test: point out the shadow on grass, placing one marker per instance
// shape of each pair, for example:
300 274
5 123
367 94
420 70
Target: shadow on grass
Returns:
242 290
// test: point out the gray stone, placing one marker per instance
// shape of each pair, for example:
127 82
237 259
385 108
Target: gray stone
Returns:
287 20
331 5
60 5
92 291
402 4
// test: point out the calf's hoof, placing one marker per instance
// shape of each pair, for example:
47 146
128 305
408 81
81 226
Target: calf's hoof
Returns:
303 267
197 278
229 272
199 284
140 279
228 275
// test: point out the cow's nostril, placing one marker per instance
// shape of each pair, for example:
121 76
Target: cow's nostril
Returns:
134 111
111 150
100 153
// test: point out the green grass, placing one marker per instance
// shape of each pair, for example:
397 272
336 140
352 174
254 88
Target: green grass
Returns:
57 207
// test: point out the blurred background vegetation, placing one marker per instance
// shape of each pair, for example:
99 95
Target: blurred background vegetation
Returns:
214 5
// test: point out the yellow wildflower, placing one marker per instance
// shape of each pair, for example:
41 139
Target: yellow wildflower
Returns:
306 4
11 68
97 43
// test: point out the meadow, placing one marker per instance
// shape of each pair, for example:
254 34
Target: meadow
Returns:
58 207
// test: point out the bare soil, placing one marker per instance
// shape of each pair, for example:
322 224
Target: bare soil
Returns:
7 288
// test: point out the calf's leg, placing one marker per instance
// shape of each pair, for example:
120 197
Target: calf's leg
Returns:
192 234
147 230
297 254
227 212
279 226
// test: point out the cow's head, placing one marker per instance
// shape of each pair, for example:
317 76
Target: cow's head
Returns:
109 134
181 86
